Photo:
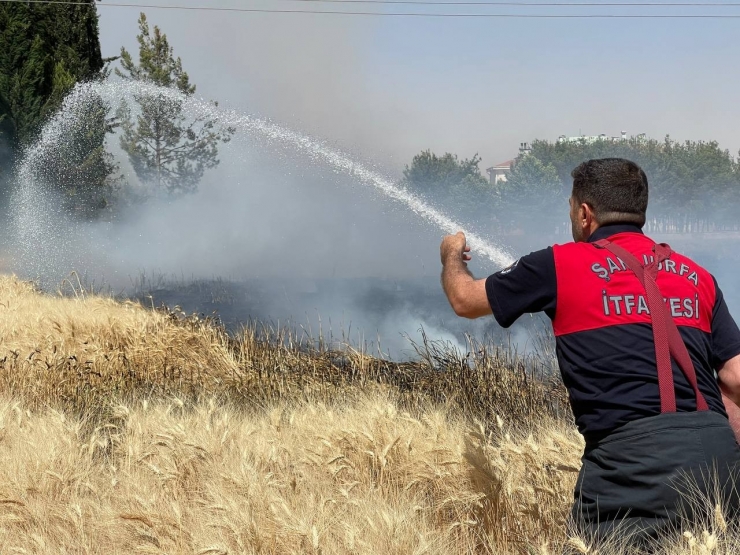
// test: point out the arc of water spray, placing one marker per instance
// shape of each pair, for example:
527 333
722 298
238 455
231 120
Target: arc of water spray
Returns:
115 92
342 162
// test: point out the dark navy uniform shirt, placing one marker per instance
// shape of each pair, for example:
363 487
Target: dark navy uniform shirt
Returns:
610 370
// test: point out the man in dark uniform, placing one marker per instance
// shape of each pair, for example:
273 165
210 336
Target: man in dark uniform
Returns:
646 347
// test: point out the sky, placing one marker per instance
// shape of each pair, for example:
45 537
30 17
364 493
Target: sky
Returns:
386 88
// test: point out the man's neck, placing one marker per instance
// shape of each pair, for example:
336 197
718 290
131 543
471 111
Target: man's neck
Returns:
607 230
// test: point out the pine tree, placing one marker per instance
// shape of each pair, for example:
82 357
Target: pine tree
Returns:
165 148
453 183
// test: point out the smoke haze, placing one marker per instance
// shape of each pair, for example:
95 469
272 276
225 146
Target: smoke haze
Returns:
304 242
303 235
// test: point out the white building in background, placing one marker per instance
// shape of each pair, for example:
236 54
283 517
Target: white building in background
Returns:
498 173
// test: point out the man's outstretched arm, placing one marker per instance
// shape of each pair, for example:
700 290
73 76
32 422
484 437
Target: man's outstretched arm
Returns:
466 294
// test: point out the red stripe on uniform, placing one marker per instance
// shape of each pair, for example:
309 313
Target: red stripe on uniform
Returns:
597 290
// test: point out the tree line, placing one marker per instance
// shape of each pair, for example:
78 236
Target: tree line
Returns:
694 185
45 50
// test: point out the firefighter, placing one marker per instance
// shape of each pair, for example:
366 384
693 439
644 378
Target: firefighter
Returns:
647 350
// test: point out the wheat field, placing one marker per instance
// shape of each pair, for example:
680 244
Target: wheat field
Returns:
125 429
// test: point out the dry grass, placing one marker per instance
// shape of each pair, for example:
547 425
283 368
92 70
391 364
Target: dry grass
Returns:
78 352
126 430
84 352
365 478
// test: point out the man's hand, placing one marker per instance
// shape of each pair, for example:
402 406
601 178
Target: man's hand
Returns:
467 295
454 246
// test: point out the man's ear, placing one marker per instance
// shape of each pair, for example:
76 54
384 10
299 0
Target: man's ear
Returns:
584 215
587 219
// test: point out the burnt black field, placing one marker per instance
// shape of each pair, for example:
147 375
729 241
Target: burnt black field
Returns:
382 315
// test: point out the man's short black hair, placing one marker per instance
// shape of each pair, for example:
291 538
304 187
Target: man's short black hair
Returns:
616 190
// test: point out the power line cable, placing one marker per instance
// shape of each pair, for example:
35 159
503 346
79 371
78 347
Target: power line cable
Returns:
535 4
413 14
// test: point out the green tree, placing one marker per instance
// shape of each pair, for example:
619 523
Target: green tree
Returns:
456 184
432 174
165 148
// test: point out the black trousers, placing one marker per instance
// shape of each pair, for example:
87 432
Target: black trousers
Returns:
638 482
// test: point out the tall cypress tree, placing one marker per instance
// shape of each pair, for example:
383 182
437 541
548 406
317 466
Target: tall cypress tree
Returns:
37 43
44 50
